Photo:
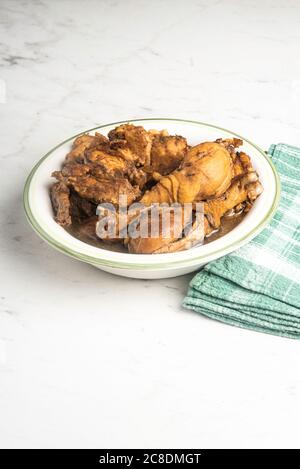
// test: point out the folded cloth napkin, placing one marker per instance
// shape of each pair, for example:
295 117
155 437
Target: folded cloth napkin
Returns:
258 286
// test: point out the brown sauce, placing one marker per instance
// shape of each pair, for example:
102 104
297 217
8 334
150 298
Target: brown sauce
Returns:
86 232
228 223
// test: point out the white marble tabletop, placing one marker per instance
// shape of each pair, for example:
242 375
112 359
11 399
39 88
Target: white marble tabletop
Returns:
92 360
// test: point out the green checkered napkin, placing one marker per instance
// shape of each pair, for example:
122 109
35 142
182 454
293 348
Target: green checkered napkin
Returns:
258 286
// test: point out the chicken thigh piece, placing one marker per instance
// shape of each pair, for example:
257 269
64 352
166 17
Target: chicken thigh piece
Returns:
98 171
81 186
206 171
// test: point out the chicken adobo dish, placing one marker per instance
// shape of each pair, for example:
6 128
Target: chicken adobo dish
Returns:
108 186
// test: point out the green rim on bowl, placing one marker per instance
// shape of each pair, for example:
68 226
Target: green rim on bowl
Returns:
139 266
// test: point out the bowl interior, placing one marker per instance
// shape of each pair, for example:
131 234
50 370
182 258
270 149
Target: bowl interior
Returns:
40 214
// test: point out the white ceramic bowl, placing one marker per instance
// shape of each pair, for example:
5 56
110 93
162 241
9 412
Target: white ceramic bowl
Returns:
40 215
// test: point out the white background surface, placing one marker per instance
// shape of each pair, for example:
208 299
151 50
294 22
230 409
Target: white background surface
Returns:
92 360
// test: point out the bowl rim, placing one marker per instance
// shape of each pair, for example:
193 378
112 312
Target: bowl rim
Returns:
198 258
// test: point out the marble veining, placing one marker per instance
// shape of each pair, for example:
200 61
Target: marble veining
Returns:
92 360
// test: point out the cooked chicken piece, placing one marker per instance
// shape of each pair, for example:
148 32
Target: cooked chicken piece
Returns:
206 171
242 164
194 237
167 152
231 144
109 162
171 227
60 198
103 178
104 189
155 150
122 148
83 143
71 169
247 188
114 169
99 170
174 240
112 163
246 162
138 177
139 141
